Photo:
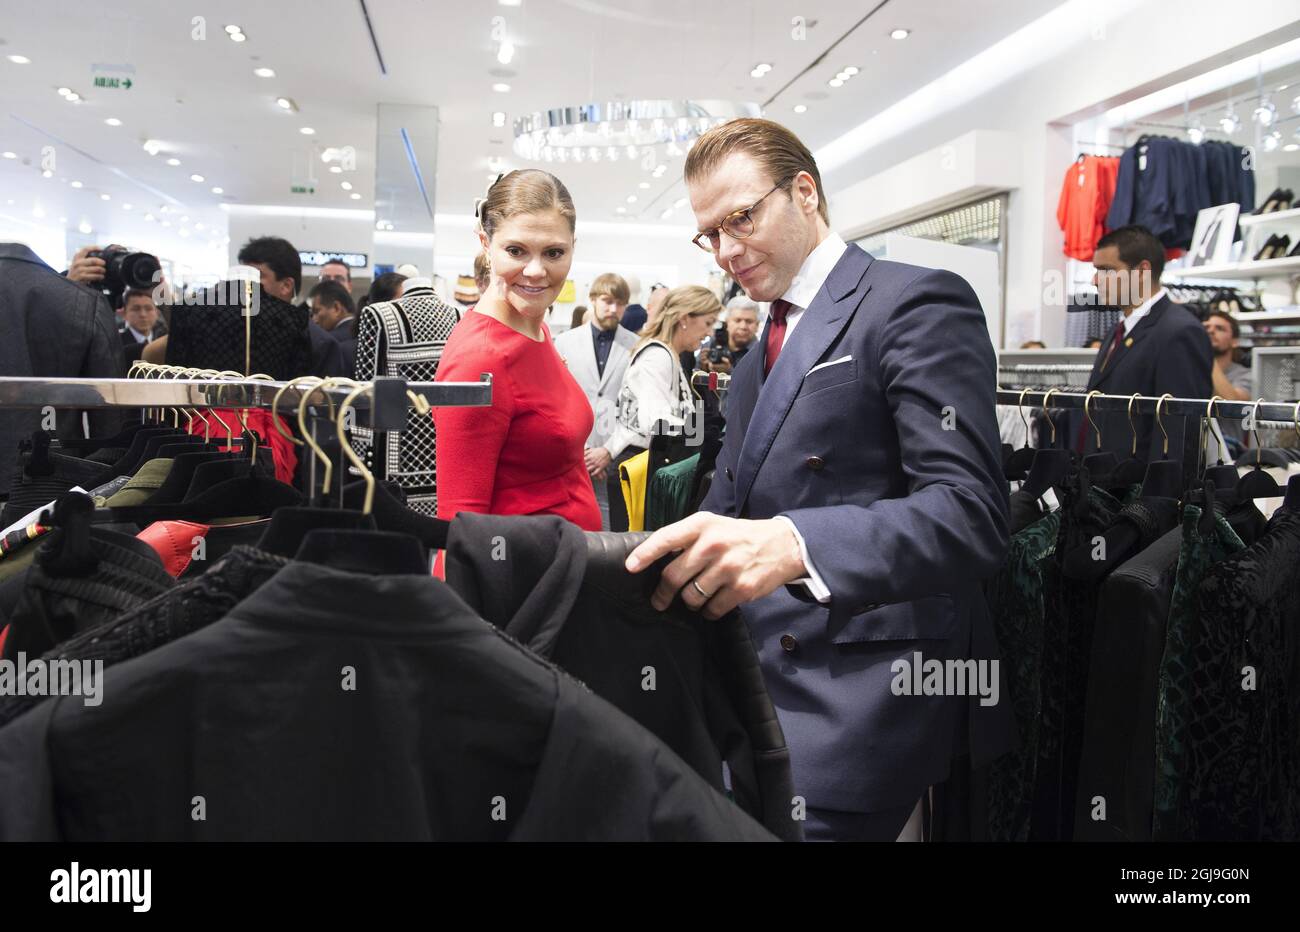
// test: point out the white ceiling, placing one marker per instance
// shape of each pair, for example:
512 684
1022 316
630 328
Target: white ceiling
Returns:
201 100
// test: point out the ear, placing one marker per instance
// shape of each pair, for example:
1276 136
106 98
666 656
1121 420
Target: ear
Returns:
483 240
804 190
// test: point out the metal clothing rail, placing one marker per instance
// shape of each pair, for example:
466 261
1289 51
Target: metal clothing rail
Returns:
214 393
1146 404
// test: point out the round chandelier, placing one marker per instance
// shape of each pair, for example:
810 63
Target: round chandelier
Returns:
621 129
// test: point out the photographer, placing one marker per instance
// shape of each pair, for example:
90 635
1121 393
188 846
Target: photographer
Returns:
732 342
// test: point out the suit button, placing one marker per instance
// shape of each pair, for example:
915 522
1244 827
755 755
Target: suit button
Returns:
788 643
815 463
729 475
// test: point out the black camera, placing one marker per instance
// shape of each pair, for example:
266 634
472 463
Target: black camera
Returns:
124 269
719 353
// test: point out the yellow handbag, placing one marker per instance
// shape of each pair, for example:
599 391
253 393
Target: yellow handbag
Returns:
631 476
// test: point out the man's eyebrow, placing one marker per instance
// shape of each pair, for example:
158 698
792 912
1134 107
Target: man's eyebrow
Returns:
712 227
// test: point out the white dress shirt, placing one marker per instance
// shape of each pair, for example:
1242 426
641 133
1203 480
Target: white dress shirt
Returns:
803 289
1142 310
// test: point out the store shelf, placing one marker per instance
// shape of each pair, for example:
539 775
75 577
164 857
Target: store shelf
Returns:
1278 216
1290 316
1243 271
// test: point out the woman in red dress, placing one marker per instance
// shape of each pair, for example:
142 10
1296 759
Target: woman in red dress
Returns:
524 454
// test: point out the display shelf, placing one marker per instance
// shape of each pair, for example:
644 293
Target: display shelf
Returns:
1288 267
1277 216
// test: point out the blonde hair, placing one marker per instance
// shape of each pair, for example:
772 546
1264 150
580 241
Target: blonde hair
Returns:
679 303
611 286
777 150
524 191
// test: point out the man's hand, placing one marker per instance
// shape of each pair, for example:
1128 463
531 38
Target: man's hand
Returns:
86 269
597 459
732 560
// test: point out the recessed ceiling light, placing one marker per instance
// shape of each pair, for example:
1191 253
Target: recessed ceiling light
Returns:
76 184
149 217
264 72
501 88
336 169
643 185
756 73
843 75
1291 147
345 185
286 103
836 82
218 190
631 198
113 121
498 118
307 131
900 33
85 227
231 30
800 108
505 51
10 155
355 196
238 37
851 70
163 209
20 59
197 177
105 197
173 162
65 91
72 97
47 174
152 146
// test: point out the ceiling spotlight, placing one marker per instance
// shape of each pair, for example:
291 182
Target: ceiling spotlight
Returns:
501 88
1196 132
9 155
286 103
173 162
336 169
1295 104
231 30
76 184
47 174
506 51
84 227
843 76
1272 140
218 190
264 72
113 121
498 118
345 185
237 37
631 198
355 196
643 185
900 33
1291 147
851 70
152 146
148 218
836 82
756 73
19 59
72 97
800 108
65 91
105 197
1230 122
307 131
1265 113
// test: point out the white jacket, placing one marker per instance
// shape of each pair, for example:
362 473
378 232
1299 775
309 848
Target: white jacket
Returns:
576 348
654 389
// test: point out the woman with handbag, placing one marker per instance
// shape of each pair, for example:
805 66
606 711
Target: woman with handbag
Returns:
655 387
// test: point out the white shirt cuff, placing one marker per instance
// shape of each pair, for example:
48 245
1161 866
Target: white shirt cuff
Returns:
812 582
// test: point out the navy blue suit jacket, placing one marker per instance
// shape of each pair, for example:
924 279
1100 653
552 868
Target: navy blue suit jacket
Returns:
887 459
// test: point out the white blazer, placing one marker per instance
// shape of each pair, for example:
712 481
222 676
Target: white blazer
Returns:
576 348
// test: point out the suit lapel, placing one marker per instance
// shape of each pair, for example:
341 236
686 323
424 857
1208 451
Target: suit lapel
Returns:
616 352
1126 346
821 323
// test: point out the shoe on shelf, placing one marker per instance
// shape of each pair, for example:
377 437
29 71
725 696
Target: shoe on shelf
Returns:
1295 251
1270 203
1266 251
1283 244
1288 198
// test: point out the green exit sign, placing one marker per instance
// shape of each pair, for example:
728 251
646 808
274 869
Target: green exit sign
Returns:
124 84
301 189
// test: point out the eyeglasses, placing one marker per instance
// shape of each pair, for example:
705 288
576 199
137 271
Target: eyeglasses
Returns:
738 224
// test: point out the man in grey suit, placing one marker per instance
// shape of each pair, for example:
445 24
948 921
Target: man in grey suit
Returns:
597 355
858 501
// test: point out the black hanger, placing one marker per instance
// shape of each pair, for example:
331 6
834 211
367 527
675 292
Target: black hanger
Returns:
177 481
370 552
38 462
391 514
290 526
1100 466
72 552
172 450
1049 468
249 495
133 458
1163 479
1292 500
122 438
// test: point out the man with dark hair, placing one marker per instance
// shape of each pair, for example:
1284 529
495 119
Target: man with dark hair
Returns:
333 311
386 287
336 270
281 269
140 321
1232 380
1158 347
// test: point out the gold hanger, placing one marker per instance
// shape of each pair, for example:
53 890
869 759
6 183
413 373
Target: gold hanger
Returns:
275 406
198 412
1213 427
1161 424
1131 426
347 445
1254 433
1024 417
1086 401
1046 395
317 449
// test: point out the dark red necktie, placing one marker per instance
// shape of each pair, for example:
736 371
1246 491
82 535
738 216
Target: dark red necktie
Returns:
1082 440
775 334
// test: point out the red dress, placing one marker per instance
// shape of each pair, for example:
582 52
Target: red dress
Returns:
524 454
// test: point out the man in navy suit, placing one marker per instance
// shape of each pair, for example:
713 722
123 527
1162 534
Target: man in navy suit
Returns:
858 500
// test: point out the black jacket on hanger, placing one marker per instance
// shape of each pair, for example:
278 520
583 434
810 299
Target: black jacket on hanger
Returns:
51 327
332 705
565 594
